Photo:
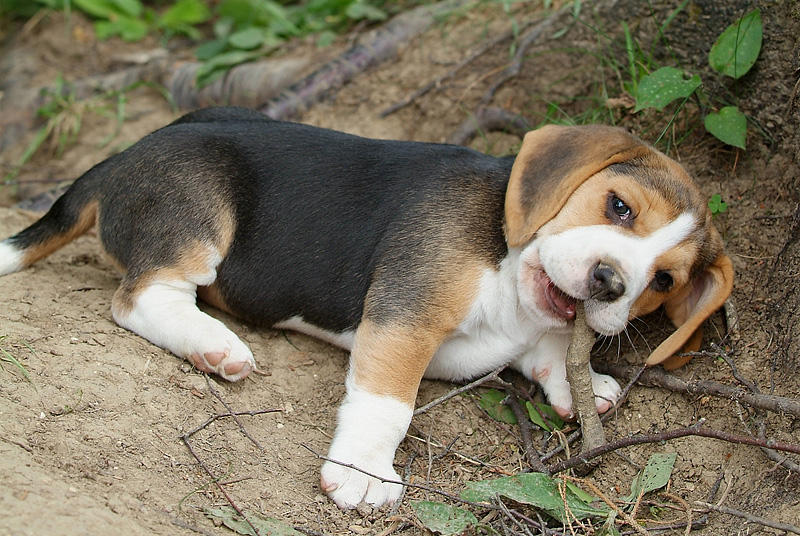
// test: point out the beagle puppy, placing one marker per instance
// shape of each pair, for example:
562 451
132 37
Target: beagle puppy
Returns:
421 259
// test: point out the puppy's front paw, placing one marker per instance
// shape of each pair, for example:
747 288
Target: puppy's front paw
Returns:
606 391
348 487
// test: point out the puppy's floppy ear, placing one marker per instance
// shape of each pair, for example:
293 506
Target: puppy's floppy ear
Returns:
687 310
552 162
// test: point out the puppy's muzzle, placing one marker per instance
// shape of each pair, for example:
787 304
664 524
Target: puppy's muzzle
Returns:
605 283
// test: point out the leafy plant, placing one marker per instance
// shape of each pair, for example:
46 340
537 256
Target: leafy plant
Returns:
492 402
716 205
248 29
734 53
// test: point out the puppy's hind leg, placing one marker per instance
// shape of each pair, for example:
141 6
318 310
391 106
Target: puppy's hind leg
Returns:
161 306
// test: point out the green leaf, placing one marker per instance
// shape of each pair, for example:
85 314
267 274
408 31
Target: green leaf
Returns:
127 28
247 39
185 12
655 475
443 518
209 49
546 417
216 66
729 125
737 48
663 86
580 492
492 401
103 9
132 8
716 205
535 489
266 526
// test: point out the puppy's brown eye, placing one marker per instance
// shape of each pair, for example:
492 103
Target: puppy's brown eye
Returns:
617 211
662 281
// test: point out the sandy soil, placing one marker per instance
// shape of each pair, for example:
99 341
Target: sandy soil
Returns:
91 443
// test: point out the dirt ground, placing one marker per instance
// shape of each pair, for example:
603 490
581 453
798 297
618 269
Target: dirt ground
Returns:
91 444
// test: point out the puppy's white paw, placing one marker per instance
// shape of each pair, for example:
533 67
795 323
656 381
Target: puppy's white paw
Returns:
348 487
369 429
606 391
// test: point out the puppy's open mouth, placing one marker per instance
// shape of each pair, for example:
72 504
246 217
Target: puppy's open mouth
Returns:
560 303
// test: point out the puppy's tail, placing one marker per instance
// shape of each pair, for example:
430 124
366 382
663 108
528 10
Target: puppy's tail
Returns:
71 215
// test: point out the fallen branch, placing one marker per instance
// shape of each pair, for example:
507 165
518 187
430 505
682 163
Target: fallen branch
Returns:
378 46
489 119
530 452
694 430
233 415
656 377
749 518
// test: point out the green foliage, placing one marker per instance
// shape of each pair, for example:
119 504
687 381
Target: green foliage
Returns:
492 402
266 526
536 489
728 125
655 475
737 48
443 518
663 86
544 416
716 205
733 54
248 29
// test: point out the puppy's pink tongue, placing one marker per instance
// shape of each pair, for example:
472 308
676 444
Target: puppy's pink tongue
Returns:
562 303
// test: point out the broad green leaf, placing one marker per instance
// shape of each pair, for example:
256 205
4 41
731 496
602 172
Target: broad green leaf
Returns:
127 28
728 125
580 492
546 417
737 48
655 475
535 489
663 86
443 518
247 39
209 49
492 401
185 12
326 38
266 526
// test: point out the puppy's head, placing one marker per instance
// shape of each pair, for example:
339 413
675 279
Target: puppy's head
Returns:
603 218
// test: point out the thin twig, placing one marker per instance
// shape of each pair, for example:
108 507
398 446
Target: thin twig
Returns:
628 518
688 509
750 518
532 36
239 511
221 415
218 396
491 376
656 377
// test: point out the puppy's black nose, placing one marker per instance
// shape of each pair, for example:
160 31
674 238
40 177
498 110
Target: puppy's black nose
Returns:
605 284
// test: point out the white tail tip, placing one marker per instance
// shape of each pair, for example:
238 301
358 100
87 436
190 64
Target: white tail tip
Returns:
10 258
